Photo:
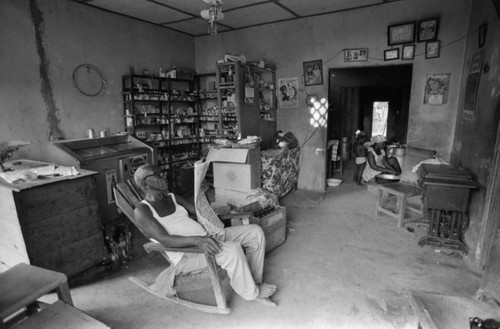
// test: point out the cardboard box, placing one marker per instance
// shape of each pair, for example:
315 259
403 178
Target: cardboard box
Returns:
237 176
234 155
274 227
231 197
273 224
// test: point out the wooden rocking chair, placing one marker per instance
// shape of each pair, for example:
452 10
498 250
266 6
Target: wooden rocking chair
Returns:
127 196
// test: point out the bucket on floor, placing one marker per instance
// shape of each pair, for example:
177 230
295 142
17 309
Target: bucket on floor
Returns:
334 181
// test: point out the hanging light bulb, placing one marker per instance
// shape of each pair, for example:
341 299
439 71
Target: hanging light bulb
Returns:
205 14
213 14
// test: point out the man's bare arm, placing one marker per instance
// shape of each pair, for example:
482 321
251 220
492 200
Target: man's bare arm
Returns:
149 225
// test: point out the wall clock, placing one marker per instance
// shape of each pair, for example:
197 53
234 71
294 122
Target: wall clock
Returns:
88 80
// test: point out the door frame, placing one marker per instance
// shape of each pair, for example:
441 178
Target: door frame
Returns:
491 214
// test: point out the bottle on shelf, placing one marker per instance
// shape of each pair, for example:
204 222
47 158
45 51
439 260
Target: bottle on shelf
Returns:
230 77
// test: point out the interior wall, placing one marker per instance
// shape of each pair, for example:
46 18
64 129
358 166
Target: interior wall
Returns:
289 44
476 134
43 41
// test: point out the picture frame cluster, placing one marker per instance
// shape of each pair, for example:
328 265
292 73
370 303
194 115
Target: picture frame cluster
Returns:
407 33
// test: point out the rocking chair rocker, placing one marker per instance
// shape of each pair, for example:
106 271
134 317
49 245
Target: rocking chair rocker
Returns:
127 196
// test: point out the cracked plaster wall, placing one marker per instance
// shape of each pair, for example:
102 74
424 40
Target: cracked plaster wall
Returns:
45 40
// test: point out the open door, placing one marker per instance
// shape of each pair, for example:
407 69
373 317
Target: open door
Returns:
353 91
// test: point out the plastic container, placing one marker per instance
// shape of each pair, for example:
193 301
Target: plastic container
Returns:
345 148
334 181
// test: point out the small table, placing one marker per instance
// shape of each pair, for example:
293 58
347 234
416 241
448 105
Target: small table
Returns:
23 284
401 192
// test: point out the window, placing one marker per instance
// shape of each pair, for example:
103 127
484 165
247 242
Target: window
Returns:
379 118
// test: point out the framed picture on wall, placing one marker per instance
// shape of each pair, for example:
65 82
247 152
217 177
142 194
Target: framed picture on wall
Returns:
356 55
408 52
401 33
391 54
436 88
313 73
428 29
432 49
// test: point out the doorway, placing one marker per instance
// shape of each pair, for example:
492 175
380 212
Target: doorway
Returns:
384 111
353 93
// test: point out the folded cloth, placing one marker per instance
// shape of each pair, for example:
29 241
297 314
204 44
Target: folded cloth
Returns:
49 170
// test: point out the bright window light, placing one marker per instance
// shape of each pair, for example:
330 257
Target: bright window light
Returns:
379 123
319 112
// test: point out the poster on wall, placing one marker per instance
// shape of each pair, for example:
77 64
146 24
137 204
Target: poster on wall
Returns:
437 86
287 92
472 86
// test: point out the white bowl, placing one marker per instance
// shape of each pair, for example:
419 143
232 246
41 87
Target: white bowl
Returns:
334 181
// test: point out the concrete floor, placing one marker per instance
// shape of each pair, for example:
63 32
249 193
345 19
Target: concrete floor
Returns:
340 268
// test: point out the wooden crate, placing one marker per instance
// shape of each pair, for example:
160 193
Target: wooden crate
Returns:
274 227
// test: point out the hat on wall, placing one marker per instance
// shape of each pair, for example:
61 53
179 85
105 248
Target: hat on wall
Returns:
378 139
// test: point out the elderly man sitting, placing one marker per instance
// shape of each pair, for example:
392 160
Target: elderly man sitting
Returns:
165 218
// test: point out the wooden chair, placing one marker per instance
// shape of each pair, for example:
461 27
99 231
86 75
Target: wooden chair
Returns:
335 158
127 196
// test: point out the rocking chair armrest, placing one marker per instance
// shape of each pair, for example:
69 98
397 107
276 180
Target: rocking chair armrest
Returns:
156 246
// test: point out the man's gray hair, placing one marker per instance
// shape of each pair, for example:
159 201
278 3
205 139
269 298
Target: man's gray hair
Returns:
143 171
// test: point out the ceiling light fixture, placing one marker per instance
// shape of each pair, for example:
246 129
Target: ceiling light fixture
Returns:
213 14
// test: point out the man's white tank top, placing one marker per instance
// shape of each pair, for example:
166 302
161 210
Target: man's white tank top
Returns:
177 223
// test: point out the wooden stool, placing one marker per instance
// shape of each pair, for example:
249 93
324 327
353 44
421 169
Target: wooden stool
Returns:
401 192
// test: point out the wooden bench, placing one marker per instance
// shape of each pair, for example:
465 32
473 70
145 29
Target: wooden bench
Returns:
20 288
58 316
393 201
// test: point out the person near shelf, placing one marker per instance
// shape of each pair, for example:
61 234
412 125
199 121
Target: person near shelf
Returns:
165 217
378 161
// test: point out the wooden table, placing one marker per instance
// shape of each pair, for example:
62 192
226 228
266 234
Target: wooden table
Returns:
441 311
23 284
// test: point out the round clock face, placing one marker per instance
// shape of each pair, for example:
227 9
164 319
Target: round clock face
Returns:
88 80
136 163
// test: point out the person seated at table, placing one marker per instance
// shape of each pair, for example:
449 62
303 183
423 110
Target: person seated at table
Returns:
165 217
378 161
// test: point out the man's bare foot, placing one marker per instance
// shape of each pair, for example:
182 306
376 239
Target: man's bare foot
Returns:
266 301
266 290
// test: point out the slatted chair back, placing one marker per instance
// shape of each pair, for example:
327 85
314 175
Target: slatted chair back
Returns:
127 196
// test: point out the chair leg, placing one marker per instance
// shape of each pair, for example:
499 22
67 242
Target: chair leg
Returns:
216 282
197 306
